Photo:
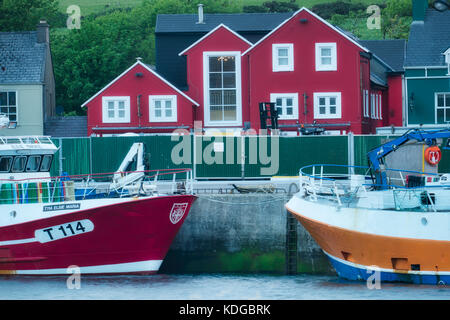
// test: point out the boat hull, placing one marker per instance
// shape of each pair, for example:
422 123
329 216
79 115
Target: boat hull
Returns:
396 244
129 236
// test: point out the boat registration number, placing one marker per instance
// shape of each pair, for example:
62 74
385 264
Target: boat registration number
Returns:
63 230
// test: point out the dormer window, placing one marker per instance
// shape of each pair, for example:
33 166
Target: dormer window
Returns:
447 59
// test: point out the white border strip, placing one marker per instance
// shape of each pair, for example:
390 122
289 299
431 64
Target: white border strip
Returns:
141 266
211 32
20 241
151 71
314 15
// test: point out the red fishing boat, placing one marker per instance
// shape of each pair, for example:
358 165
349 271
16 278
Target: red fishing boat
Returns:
49 225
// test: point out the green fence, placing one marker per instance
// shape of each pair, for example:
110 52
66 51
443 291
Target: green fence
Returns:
219 157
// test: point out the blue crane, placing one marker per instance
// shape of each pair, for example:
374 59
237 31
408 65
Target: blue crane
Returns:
376 155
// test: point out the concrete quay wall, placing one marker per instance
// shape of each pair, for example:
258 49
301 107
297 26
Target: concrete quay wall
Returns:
243 233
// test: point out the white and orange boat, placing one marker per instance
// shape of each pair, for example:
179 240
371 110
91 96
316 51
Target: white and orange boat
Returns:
102 224
395 222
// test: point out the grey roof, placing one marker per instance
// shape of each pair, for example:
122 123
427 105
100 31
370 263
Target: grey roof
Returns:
66 126
239 22
22 59
392 52
428 40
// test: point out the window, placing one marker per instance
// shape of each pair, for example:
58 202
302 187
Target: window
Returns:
326 58
8 104
46 162
283 57
376 106
162 108
116 109
442 102
5 164
380 113
286 104
327 105
447 59
19 164
366 103
222 78
33 163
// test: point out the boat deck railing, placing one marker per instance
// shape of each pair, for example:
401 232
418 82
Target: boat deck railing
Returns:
24 140
89 186
343 184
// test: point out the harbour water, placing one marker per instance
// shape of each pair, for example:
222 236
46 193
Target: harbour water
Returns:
210 287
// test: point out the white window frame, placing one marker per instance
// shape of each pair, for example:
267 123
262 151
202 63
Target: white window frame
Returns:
447 60
294 96
436 106
326 67
276 67
16 105
151 108
328 115
223 123
380 113
115 119
366 103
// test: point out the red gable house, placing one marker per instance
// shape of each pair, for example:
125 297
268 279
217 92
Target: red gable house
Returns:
217 76
312 71
139 100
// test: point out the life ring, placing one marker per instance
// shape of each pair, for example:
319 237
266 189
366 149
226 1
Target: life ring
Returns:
433 155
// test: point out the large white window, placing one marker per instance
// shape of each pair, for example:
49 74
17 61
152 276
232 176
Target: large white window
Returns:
327 105
442 102
162 108
8 104
286 105
222 88
283 57
116 109
326 57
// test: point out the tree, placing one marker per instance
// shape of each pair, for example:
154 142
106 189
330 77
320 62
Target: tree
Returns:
87 59
23 15
272 6
396 19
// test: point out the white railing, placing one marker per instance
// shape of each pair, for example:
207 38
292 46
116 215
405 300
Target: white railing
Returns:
82 187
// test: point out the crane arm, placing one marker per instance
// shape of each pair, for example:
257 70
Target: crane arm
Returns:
376 155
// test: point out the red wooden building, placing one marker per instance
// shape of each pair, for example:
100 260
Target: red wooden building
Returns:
314 72
139 100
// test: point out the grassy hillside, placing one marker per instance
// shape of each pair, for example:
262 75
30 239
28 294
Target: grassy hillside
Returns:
94 6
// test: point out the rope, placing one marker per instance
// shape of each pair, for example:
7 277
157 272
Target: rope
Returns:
243 203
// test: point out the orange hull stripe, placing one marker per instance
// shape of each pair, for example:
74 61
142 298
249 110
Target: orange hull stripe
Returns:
375 250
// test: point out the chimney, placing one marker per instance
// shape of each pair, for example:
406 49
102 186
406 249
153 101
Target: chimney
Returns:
42 32
419 9
200 14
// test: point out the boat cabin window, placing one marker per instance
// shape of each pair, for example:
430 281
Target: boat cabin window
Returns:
5 164
19 164
46 162
33 163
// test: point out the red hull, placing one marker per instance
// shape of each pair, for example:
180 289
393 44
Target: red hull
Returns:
123 238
